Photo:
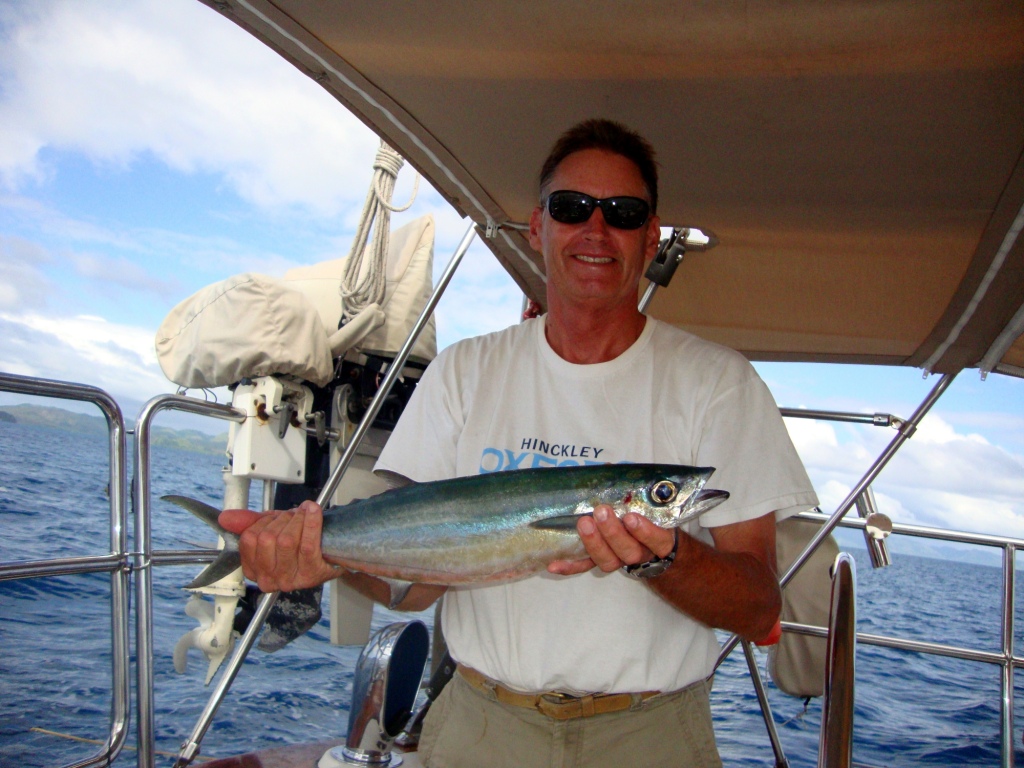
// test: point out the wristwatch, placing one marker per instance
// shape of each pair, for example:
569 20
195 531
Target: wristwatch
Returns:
655 566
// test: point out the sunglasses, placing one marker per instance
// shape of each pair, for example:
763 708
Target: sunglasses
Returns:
570 207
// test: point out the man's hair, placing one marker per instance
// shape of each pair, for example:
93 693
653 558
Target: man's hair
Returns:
611 137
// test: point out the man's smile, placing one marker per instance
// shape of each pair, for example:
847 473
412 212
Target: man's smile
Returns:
593 259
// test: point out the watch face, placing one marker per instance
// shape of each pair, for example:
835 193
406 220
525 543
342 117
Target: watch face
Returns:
649 569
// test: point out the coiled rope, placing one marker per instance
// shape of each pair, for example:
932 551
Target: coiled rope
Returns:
365 275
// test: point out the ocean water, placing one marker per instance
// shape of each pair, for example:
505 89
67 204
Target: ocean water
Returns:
911 709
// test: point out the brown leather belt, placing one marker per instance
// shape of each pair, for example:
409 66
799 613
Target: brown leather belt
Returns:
556 705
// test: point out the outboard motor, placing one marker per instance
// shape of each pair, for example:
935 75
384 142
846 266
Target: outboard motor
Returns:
387 679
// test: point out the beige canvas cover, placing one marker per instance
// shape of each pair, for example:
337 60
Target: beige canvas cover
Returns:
796 663
246 326
253 325
409 269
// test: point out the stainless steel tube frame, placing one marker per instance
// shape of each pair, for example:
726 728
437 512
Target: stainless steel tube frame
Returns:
1005 658
1006 702
906 430
878 549
766 709
144 550
116 562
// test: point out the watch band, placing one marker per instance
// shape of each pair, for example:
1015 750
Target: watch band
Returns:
655 566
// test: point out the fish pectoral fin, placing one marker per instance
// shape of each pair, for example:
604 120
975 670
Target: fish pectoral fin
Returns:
393 479
558 523
399 589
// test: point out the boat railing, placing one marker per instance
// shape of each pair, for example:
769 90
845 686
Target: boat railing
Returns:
144 545
861 496
120 562
116 561
1006 658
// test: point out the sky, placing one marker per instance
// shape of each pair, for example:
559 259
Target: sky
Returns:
150 148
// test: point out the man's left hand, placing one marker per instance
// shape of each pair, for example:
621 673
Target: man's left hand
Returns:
612 543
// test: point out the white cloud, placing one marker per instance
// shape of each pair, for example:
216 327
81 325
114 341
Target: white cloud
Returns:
119 271
934 430
117 358
114 80
818 442
117 80
810 434
939 478
24 284
39 217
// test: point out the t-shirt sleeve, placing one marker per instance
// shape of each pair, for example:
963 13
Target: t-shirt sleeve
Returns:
424 443
745 439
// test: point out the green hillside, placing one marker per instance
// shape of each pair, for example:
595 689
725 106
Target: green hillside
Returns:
80 423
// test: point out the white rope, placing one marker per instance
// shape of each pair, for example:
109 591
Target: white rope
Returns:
365 275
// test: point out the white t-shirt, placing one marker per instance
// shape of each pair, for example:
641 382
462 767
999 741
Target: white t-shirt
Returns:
508 401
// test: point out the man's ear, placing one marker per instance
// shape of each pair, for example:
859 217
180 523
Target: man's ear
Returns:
653 239
535 221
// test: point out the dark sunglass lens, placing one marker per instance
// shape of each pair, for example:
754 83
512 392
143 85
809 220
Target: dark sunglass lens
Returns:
625 212
570 207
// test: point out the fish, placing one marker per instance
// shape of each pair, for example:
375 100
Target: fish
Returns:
485 528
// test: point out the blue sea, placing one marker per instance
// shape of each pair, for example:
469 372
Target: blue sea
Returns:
911 709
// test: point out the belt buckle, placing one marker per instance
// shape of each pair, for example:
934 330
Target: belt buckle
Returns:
565 706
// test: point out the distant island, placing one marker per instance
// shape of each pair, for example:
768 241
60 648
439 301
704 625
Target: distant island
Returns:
80 423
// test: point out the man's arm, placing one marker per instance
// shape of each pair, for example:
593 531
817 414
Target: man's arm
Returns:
731 586
281 552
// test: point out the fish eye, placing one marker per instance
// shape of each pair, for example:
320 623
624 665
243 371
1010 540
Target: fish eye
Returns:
663 491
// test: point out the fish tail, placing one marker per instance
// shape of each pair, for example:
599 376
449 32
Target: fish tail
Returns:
229 559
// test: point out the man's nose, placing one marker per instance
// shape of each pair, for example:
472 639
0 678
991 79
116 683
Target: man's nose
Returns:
596 225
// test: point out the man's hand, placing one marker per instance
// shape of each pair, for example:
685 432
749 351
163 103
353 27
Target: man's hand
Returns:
281 550
612 543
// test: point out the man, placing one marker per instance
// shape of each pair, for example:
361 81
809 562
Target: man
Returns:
585 665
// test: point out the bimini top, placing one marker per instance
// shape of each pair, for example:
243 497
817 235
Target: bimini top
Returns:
860 162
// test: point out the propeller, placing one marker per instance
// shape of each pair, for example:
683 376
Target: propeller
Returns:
215 635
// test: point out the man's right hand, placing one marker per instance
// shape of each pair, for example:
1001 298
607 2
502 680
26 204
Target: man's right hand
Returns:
281 550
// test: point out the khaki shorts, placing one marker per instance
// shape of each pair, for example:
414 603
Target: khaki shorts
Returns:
466 727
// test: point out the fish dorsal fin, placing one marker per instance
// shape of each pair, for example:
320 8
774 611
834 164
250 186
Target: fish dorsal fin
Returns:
558 523
393 479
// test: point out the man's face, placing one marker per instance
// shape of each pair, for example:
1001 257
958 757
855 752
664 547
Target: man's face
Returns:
593 262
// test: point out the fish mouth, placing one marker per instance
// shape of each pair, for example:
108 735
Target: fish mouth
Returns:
702 501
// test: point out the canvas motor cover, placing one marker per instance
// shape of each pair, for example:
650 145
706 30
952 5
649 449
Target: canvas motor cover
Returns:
247 326
409 275
796 663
